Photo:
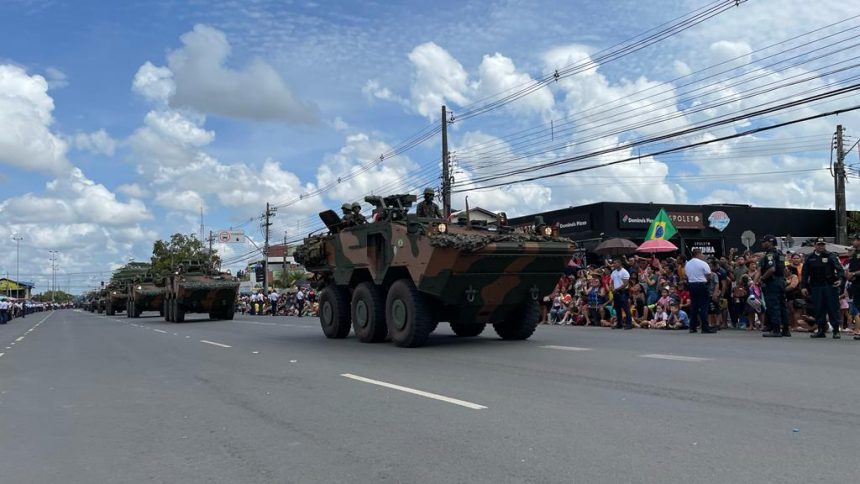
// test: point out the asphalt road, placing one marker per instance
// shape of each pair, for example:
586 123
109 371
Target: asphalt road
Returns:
91 399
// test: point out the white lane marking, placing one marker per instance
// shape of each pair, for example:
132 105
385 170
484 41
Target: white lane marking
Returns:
657 356
289 325
160 331
565 348
214 343
255 352
19 338
434 396
1 354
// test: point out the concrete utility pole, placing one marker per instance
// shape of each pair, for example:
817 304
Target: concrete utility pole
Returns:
839 181
17 238
284 261
446 170
270 212
53 273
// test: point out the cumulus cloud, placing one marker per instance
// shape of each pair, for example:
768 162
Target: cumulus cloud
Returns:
372 90
133 190
438 79
99 142
26 140
197 78
498 74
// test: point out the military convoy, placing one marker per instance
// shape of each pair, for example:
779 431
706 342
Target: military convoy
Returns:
399 276
116 298
196 287
144 295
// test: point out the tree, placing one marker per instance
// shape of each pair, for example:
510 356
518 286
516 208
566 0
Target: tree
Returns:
853 222
291 278
167 255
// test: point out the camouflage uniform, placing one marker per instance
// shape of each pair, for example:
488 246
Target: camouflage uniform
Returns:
427 208
358 218
347 218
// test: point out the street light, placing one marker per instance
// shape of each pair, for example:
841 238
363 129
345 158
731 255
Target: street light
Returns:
53 273
17 238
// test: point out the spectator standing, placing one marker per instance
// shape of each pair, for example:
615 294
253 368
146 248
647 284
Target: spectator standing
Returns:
853 276
697 271
620 295
273 302
822 274
772 267
4 311
300 301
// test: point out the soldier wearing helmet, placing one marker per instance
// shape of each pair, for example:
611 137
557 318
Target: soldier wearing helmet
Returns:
772 267
427 208
357 217
347 218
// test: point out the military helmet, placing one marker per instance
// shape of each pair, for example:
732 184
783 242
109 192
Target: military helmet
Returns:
346 206
429 191
355 205
769 238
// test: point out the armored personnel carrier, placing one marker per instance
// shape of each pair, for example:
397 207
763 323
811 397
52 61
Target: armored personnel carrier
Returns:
116 298
144 295
400 275
196 287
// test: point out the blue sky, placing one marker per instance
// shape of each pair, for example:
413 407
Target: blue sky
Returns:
148 109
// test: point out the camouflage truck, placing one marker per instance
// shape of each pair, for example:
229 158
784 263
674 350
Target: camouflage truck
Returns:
116 298
399 276
196 287
144 295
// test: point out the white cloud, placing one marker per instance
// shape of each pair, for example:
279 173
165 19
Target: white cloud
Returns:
180 128
498 74
724 50
681 68
25 117
180 201
154 83
372 90
57 79
98 142
133 190
438 79
204 83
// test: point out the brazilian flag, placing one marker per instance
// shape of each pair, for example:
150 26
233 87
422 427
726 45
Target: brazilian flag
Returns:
661 228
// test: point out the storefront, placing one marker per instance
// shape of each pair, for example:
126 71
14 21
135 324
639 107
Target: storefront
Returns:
715 229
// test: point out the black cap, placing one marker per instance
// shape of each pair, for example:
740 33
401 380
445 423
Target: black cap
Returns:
820 240
769 238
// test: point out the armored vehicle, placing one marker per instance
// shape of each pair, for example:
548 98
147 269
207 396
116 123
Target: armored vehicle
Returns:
101 301
144 295
196 287
400 275
116 298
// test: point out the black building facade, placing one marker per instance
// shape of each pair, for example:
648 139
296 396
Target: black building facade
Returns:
714 228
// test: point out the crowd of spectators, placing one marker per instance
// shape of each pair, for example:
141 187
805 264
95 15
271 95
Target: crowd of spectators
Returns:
296 301
11 308
659 295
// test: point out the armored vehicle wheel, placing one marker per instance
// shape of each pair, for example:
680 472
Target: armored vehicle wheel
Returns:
519 324
166 310
178 312
467 330
229 312
129 310
368 313
407 314
334 312
109 311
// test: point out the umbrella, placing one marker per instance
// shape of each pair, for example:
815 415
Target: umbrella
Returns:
808 249
615 247
653 246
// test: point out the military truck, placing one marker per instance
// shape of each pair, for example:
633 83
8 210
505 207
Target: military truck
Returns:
197 287
144 295
400 275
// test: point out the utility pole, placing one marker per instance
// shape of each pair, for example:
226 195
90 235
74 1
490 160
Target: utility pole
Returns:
446 160
53 273
284 266
210 244
201 223
270 212
17 238
839 181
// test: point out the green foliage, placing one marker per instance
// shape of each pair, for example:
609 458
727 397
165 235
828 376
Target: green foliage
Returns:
166 255
290 278
59 297
853 222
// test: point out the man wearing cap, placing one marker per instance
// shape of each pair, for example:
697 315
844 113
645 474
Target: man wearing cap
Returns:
357 217
427 208
853 276
347 218
822 276
698 271
621 296
772 269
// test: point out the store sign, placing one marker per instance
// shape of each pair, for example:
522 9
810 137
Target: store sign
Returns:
710 247
574 223
687 220
719 220
641 219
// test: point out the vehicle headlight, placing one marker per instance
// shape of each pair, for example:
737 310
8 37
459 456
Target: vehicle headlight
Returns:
114 293
547 231
442 228
139 288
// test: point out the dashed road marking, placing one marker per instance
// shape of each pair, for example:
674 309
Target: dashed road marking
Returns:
159 331
658 356
1 354
19 338
421 393
214 343
565 348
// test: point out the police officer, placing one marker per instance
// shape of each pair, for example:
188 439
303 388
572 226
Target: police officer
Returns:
853 275
772 267
427 208
347 218
822 276
357 217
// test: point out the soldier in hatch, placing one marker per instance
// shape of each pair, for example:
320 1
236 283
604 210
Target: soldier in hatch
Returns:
427 208
347 218
357 217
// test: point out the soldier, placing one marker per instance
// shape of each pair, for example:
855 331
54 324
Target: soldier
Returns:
427 208
772 267
358 218
822 275
853 276
347 218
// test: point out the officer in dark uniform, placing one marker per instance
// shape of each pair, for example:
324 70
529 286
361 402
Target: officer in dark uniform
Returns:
853 274
822 276
772 267
357 217
347 218
427 208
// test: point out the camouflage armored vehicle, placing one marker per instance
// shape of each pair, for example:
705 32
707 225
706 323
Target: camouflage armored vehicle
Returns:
101 301
399 276
196 287
116 298
144 295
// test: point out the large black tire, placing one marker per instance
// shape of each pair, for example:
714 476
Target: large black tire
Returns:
129 310
168 316
467 330
368 313
109 310
178 312
334 312
409 318
519 324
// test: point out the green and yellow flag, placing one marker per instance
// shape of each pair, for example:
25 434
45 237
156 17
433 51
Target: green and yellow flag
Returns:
661 228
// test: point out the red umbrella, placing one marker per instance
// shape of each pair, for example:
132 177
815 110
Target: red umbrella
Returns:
654 246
